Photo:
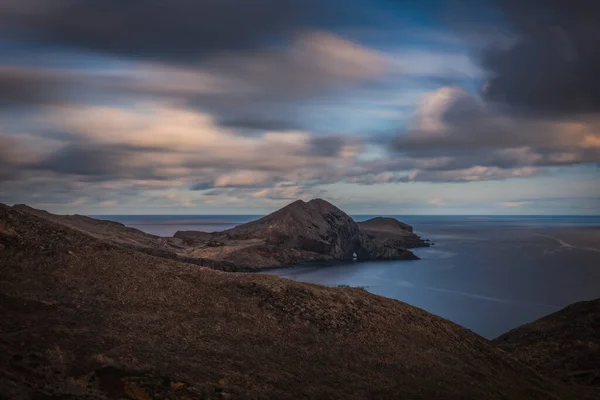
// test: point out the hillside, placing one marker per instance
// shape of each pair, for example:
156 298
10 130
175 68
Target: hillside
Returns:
565 343
86 319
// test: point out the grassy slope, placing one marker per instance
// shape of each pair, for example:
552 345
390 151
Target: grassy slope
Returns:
86 318
565 343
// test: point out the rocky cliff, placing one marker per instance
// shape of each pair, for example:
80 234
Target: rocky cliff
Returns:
83 318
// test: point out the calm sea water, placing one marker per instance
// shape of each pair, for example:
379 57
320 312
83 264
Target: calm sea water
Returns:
487 273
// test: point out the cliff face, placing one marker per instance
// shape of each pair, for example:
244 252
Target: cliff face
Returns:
565 343
86 319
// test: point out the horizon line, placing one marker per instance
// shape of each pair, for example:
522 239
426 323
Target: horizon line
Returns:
356 214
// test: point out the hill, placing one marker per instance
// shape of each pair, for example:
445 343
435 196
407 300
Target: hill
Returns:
565 343
86 319
298 233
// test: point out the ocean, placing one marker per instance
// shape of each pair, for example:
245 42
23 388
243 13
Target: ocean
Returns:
489 274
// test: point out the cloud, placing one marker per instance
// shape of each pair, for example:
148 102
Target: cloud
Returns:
253 91
225 101
512 204
158 146
435 64
182 31
539 105
101 161
456 136
29 85
179 137
451 118
279 192
18 151
473 174
436 201
476 173
552 67
311 63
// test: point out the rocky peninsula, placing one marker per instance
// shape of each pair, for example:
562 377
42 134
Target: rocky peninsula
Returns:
298 233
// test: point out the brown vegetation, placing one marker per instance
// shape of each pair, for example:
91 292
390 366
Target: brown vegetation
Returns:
565 344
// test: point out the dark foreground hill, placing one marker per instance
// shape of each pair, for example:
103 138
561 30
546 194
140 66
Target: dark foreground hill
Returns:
85 319
565 343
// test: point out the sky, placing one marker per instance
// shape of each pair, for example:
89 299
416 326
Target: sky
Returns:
243 106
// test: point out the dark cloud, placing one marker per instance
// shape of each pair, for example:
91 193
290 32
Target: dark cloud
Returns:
539 107
203 185
180 30
27 86
463 131
85 160
7 162
552 68
327 146
100 162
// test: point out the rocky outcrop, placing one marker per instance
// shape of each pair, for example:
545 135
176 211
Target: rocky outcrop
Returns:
86 319
565 344
386 224
298 233
391 231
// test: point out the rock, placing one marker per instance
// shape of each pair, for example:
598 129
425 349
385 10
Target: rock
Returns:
385 224
390 229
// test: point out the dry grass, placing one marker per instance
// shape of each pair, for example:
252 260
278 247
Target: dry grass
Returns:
565 344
